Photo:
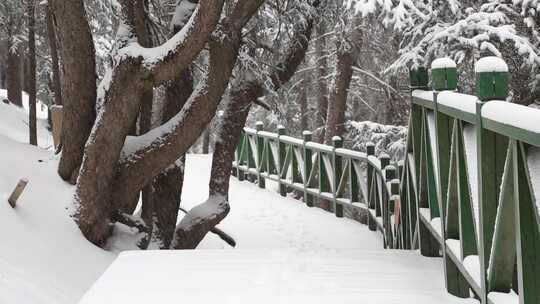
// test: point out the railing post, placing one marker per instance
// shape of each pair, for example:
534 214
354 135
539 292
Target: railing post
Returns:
389 175
241 147
338 171
308 166
492 84
370 200
260 154
281 160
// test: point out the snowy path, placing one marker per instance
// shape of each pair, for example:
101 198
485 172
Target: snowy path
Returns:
286 253
264 219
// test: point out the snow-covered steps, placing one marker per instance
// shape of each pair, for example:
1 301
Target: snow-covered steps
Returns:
272 276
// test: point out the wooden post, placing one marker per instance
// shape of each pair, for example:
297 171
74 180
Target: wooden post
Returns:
12 200
444 74
308 166
260 154
281 160
491 83
241 152
370 199
56 117
338 171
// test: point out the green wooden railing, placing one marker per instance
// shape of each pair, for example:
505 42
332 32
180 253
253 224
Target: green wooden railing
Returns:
343 177
464 192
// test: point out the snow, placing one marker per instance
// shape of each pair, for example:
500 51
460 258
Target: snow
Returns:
14 123
44 258
490 64
499 110
273 276
463 102
533 161
503 298
443 63
472 265
454 246
41 108
471 159
425 95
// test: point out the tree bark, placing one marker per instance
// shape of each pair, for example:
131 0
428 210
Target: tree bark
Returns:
14 83
78 83
322 86
335 119
53 49
303 106
32 71
168 184
118 112
191 230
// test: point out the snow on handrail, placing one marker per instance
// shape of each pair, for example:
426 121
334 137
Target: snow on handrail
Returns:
291 140
425 95
268 134
319 147
513 115
351 153
459 101
250 131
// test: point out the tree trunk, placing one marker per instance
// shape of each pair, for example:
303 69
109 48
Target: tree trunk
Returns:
168 184
32 71
99 172
335 119
206 141
322 82
14 83
78 83
53 49
303 106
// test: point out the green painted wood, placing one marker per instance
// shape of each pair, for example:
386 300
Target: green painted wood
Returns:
337 162
308 167
241 157
444 79
281 159
501 263
324 185
492 151
354 191
431 179
370 178
492 85
418 78
261 155
527 230
296 169
467 234
452 214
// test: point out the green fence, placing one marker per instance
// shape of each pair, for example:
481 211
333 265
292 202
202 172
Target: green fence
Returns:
465 190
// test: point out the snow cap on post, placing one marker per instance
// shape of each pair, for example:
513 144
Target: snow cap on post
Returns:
492 78
444 74
418 78
337 142
259 125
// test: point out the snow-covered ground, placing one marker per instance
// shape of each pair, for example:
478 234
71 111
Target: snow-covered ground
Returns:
44 258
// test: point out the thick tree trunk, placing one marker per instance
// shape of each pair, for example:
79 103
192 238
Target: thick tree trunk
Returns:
32 71
53 49
118 112
335 119
14 83
78 83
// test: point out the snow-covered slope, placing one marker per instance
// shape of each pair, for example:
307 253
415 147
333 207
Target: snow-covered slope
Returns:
14 122
43 256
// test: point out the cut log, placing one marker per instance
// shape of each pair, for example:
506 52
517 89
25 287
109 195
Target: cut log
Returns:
12 200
